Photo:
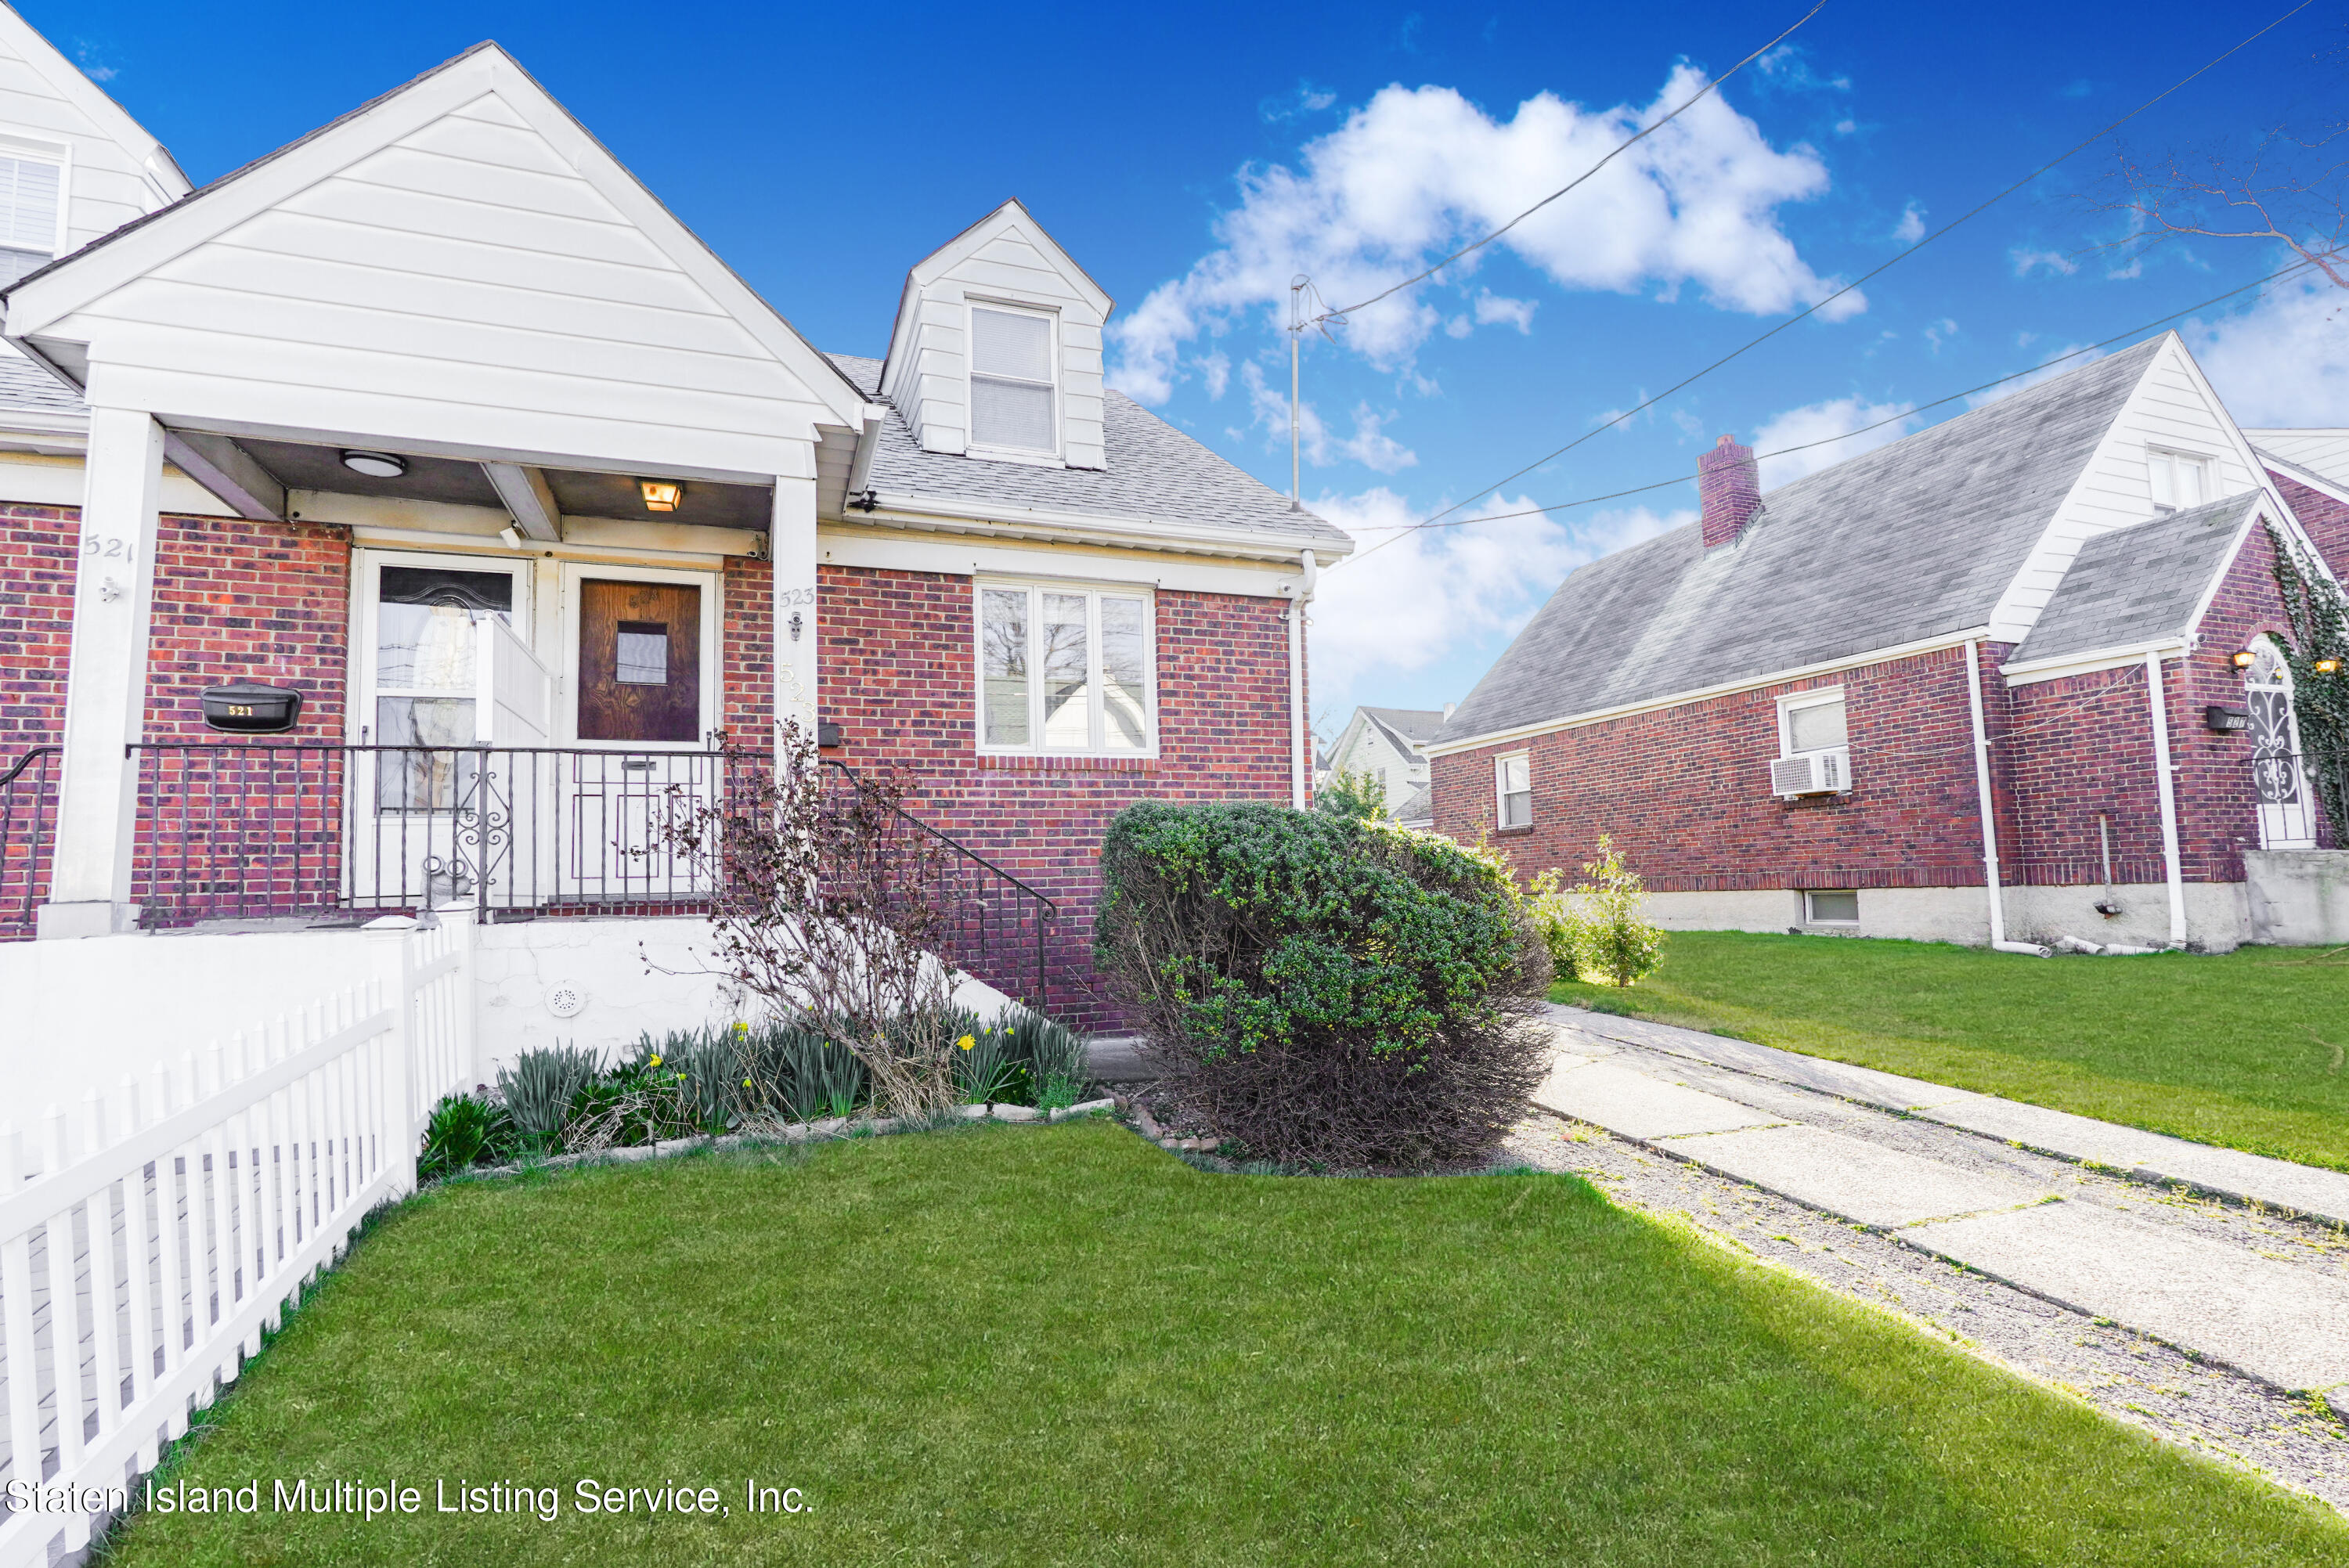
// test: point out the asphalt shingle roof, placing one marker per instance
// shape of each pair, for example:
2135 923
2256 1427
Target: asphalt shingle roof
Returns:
2137 584
1417 726
1912 540
25 384
1156 473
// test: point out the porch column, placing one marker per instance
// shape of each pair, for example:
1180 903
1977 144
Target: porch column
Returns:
106 678
792 543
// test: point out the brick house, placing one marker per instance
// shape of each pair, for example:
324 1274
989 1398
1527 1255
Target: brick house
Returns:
438 421
2014 677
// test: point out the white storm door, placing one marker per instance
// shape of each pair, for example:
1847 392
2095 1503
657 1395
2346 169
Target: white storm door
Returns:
2277 782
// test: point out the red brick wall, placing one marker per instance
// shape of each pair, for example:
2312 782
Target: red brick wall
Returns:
896 673
37 589
746 650
2326 520
1685 791
241 601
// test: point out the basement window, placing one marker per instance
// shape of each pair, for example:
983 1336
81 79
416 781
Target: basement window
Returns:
1065 669
1012 388
1831 906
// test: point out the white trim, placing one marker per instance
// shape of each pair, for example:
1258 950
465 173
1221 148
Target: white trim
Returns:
2167 790
948 514
1704 694
1096 719
569 575
2057 666
961 556
2301 472
1810 911
1813 696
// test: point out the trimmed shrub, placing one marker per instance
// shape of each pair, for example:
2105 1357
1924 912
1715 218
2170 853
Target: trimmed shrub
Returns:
1322 988
1600 934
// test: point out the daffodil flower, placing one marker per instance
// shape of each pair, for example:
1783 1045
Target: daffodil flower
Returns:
966 1042
656 1059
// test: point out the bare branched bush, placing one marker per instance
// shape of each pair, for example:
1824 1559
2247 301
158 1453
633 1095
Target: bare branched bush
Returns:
825 905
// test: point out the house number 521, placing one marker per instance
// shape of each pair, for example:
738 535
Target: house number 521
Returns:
107 549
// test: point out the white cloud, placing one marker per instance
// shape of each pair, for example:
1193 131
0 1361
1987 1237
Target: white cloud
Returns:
1492 307
1938 332
1369 445
1215 369
1372 447
2285 361
1415 173
1817 422
1405 606
2053 261
1911 227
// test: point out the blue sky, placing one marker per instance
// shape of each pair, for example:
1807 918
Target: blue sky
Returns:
1194 157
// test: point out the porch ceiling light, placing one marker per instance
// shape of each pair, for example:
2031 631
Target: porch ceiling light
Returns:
2243 658
660 495
376 464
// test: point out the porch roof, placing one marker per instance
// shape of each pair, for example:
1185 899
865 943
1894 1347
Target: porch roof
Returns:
2138 584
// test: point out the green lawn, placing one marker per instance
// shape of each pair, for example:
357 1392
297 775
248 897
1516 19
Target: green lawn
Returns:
1039 1346
2241 1048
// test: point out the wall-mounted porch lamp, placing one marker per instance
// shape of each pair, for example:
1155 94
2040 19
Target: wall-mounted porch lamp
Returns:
2327 667
2225 719
376 464
660 495
2244 658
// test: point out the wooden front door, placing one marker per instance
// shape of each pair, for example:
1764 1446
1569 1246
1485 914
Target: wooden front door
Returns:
639 661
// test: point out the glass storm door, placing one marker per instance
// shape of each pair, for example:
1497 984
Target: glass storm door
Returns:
2278 784
639 683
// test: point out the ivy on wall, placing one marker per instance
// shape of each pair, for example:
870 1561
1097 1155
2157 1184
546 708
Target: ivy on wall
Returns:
2319 617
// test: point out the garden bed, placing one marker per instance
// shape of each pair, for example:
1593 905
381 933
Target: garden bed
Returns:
1059 1345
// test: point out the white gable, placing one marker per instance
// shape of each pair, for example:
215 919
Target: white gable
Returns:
65 137
1006 260
459 268
2173 411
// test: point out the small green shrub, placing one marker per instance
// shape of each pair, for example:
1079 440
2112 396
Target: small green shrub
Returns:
1354 797
1600 933
456 1135
1324 988
538 1089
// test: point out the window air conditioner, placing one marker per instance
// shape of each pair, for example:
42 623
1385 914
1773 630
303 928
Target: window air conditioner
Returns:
1812 773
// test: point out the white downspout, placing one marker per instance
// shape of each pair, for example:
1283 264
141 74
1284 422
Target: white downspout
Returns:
1989 813
2162 780
1301 759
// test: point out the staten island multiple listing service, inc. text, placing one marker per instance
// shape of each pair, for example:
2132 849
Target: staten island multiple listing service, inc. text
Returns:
587 1495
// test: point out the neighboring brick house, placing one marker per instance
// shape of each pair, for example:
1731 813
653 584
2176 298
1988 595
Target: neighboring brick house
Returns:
1792 712
1383 743
438 420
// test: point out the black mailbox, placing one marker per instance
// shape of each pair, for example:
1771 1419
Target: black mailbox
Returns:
247 707
827 733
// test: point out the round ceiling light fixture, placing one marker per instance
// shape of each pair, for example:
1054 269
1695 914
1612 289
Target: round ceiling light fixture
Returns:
376 464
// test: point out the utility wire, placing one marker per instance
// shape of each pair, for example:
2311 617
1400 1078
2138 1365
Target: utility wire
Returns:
1620 148
1864 277
1399 528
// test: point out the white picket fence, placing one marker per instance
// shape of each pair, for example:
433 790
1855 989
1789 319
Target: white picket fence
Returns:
149 1241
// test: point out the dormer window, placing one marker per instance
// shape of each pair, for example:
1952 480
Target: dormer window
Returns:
1012 391
2179 481
32 199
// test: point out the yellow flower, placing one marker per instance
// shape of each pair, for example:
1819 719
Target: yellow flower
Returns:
656 1059
746 1083
966 1042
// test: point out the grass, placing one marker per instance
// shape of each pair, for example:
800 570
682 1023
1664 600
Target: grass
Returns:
2241 1048
1051 1346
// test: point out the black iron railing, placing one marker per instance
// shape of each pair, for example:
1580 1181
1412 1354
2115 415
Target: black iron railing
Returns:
278 830
28 810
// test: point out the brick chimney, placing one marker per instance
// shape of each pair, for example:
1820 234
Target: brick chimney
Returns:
1729 489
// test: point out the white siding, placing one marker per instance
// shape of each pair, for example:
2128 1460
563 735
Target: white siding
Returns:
465 286
1006 258
46 100
2172 409
2324 453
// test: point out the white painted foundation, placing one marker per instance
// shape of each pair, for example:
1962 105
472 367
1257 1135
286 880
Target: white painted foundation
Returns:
2217 917
80 1015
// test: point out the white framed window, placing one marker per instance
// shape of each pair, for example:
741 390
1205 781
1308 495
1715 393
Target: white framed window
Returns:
1513 791
1831 906
1812 721
2180 481
1014 394
1066 668
31 204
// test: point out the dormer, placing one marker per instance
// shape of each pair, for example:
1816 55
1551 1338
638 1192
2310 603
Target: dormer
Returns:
997 351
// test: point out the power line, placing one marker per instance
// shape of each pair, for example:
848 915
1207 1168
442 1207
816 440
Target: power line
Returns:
1397 530
1621 147
1864 277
